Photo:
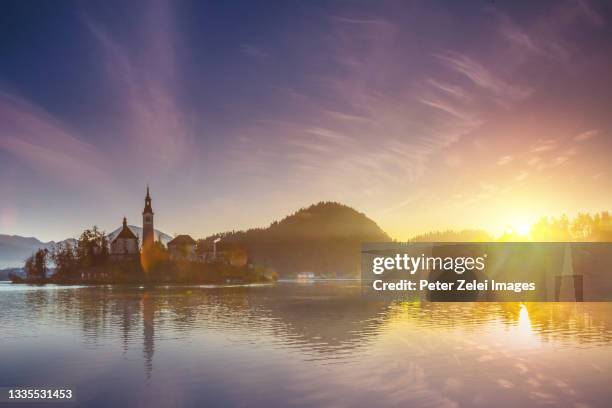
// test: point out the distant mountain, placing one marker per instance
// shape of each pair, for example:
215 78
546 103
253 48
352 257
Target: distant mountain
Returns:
5 274
14 249
324 238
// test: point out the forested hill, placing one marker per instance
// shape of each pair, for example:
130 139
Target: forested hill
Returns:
324 238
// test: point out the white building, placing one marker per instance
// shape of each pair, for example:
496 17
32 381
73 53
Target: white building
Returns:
125 244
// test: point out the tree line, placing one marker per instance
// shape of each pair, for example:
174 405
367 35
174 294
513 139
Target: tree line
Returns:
91 249
584 227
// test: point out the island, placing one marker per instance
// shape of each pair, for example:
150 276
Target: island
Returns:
98 258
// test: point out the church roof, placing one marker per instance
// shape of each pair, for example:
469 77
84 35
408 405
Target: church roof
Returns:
182 240
126 232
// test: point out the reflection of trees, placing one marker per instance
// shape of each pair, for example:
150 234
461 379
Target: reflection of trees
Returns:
326 319
322 320
36 300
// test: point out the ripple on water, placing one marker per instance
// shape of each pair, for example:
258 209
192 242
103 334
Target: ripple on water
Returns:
309 344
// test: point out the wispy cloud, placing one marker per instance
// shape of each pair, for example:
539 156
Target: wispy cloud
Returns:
534 160
364 134
544 146
448 107
586 135
548 35
155 124
513 33
483 77
46 144
502 161
521 176
449 89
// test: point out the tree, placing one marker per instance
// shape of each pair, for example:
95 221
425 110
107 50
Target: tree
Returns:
552 230
65 259
92 248
36 265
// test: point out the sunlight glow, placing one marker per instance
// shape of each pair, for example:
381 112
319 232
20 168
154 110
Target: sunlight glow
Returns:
518 229
523 229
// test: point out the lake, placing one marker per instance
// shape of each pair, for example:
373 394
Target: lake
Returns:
300 344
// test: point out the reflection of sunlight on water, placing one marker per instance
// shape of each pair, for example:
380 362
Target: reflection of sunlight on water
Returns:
524 323
317 345
524 334
517 328
515 325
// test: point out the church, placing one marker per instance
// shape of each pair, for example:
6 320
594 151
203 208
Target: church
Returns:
125 245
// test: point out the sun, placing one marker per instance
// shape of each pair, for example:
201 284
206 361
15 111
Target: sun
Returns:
519 229
523 229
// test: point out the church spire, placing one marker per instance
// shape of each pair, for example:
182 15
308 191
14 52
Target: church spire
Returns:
148 209
148 232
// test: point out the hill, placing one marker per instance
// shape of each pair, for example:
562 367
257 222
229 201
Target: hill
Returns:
324 238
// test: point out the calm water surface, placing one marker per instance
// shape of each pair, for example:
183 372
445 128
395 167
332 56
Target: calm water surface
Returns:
301 345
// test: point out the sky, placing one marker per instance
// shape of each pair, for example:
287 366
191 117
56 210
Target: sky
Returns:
424 115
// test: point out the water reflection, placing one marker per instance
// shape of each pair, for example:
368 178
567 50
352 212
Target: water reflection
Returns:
148 331
524 323
324 319
313 344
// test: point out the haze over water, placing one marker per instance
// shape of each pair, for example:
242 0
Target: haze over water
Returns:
300 344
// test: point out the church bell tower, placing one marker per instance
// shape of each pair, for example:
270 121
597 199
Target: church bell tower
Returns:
148 234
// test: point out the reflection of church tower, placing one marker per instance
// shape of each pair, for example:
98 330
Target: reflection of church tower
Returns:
148 234
148 332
